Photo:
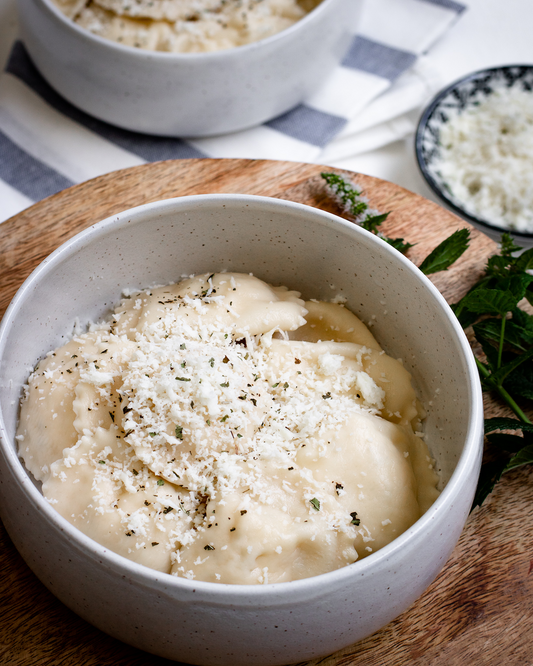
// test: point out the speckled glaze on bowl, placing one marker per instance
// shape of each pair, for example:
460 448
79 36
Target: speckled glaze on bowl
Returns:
466 92
283 243
187 95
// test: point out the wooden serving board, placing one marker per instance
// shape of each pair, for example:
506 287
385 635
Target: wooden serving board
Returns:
478 611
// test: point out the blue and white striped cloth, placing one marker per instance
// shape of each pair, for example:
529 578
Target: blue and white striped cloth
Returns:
46 144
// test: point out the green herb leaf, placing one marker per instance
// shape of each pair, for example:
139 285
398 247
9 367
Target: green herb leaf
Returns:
505 442
497 378
398 244
445 254
490 301
516 337
523 457
371 223
350 198
525 261
500 423
508 246
463 314
355 520
179 432
315 503
488 478
520 381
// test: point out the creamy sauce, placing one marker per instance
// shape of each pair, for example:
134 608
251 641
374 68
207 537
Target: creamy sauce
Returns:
224 430
185 26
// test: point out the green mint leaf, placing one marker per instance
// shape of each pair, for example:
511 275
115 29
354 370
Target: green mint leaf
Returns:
508 246
372 222
518 284
490 351
350 197
499 377
524 320
529 294
488 478
520 337
523 457
525 261
505 442
520 381
490 301
398 244
497 266
517 337
463 314
445 254
502 423
488 330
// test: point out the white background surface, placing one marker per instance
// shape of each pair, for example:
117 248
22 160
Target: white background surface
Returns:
489 33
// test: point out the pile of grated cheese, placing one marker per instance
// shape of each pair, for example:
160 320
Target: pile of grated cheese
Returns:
223 429
486 158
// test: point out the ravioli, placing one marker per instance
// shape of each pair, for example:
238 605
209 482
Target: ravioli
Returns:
222 429
185 26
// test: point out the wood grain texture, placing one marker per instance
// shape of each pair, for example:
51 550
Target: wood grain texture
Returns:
480 608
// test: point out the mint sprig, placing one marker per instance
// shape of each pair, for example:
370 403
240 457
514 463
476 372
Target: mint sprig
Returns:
350 197
504 332
447 253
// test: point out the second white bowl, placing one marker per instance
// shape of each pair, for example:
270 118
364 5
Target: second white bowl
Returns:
187 95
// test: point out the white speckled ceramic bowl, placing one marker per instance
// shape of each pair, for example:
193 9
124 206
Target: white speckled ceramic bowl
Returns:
282 243
187 95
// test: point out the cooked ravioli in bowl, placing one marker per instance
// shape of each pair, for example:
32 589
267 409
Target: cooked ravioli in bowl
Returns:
155 391
207 430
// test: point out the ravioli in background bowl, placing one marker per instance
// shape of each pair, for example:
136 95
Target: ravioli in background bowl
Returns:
185 26
142 85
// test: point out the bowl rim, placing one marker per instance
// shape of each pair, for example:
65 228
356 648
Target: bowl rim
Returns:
468 459
146 54
422 164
